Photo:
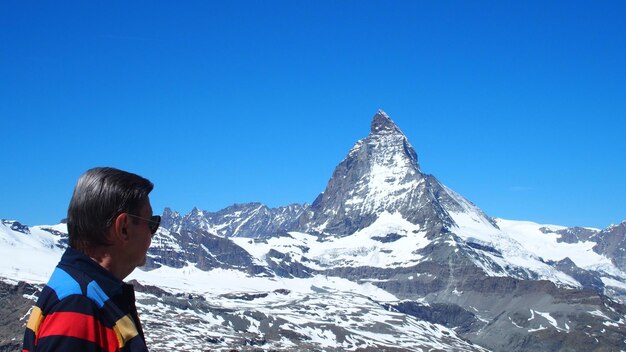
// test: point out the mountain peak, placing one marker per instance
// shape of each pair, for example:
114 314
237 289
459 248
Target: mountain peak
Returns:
381 174
382 123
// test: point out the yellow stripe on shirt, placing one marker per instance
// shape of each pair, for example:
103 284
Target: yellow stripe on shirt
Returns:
36 316
125 330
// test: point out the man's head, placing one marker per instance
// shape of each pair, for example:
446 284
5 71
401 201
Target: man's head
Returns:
101 195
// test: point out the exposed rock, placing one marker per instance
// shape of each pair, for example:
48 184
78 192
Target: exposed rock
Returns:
612 243
16 300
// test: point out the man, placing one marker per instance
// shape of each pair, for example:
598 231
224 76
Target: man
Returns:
86 306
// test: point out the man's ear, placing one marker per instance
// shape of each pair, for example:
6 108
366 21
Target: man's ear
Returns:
120 227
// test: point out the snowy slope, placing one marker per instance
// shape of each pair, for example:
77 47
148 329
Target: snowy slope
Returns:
530 246
30 255
363 248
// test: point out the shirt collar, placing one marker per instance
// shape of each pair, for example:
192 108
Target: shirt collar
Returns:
78 260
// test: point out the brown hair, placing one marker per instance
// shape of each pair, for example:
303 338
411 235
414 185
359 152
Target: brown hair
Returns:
101 194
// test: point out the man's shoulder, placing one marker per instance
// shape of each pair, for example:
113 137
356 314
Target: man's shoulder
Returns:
66 282
65 292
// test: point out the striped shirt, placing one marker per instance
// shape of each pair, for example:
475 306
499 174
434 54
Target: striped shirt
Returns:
84 308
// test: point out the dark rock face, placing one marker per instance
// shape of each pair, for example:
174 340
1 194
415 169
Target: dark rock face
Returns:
207 251
285 266
390 237
574 234
612 243
448 315
64 240
589 279
17 226
170 219
13 309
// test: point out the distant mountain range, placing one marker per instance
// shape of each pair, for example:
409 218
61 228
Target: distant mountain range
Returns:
386 258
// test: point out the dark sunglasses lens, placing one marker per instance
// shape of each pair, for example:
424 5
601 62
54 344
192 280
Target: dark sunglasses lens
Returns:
154 224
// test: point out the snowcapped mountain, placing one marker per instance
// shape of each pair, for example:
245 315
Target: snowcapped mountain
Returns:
239 220
381 174
26 252
386 258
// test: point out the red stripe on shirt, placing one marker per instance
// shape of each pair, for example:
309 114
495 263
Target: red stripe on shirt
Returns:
81 326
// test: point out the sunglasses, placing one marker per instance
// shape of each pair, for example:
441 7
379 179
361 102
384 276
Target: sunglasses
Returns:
153 222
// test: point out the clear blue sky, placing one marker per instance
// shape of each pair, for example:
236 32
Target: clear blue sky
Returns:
520 106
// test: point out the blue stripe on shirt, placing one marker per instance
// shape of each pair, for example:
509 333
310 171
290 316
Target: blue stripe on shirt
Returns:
63 284
96 294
